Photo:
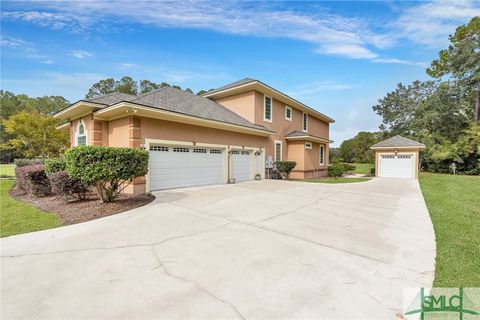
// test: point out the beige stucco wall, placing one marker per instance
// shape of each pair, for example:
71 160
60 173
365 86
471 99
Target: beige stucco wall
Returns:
241 103
118 132
416 152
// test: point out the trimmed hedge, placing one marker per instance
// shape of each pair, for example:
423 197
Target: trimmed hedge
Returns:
335 170
28 162
348 167
62 184
109 169
54 165
285 167
33 180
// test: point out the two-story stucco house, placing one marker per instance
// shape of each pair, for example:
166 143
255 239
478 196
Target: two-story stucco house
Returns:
228 133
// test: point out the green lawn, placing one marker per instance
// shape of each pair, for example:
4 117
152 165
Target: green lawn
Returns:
7 170
454 206
363 168
19 217
333 180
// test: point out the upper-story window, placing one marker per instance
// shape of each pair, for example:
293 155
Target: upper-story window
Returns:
81 134
288 113
305 122
267 109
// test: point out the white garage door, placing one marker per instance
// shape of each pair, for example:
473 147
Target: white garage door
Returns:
241 165
179 166
397 166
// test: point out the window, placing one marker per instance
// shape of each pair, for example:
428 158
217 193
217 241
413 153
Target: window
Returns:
158 148
216 151
198 150
278 150
305 122
308 145
267 109
322 155
81 134
288 113
179 149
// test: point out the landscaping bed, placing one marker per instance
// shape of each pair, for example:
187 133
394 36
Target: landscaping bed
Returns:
76 211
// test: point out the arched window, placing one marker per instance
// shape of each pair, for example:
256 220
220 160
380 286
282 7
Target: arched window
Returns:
81 135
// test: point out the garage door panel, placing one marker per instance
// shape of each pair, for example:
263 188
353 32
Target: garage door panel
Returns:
177 166
241 165
397 166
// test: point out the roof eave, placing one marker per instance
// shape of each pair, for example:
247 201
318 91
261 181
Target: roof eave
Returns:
309 138
126 108
265 86
398 147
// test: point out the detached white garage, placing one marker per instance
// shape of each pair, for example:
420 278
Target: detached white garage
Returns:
397 157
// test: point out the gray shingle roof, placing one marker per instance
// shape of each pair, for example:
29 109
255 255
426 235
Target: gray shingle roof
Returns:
232 85
397 141
112 98
302 134
180 101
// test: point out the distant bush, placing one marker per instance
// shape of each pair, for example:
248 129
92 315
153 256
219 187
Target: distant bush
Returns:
27 162
347 167
54 165
109 169
285 167
335 170
63 185
33 180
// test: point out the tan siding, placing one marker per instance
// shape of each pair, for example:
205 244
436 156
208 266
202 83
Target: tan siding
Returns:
241 103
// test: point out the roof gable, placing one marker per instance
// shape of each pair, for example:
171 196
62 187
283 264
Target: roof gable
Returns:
398 142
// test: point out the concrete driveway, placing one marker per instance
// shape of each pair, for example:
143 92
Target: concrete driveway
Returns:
256 250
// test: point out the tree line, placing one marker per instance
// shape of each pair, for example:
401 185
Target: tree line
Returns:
443 113
27 128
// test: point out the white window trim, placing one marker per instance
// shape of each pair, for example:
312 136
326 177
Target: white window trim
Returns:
275 150
265 108
308 145
320 160
303 128
291 113
85 130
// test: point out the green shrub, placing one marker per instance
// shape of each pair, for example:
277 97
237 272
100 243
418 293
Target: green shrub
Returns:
335 170
285 167
372 170
54 165
348 167
27 162
109 169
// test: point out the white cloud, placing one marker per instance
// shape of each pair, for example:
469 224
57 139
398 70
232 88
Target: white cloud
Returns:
431 23
128 66
27 48
80 54
399 61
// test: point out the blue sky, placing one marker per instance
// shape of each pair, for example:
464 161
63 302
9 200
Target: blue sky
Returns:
337 57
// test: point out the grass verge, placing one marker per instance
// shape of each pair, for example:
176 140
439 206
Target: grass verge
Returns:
363 168
333 180
454 206
7 170
19 217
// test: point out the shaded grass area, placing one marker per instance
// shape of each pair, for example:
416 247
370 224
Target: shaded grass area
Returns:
19 217
333 180
7 170
454 206
363 168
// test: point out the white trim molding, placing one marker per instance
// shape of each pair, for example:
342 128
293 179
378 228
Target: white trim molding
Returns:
321 154
78 135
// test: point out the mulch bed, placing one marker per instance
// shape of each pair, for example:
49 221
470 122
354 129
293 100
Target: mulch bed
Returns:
75 211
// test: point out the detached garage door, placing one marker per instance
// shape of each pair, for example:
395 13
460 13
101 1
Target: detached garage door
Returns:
397 166
241 165
179 166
